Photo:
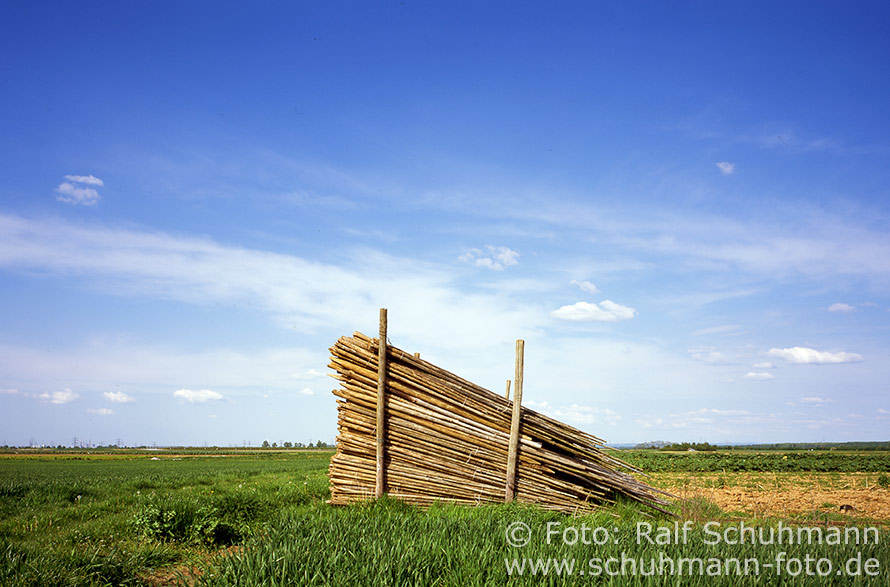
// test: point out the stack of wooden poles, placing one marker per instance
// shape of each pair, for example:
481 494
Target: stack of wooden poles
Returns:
447 439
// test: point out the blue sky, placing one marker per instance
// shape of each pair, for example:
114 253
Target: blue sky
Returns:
682 209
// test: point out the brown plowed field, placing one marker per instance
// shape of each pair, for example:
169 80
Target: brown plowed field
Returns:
784 495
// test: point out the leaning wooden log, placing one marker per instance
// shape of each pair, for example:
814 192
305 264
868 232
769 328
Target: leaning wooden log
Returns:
448 439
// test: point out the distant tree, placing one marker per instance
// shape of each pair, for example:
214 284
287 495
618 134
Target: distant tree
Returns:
321 444
288 444
687 446
274 445
265 444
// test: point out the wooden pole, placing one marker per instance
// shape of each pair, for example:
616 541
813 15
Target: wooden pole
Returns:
513 453
507 393
380 486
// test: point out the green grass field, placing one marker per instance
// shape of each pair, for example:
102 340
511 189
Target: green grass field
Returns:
260 518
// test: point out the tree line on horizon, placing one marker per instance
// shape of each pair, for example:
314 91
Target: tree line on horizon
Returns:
778 446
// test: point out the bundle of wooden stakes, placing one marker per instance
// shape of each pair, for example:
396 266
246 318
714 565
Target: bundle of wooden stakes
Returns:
447 439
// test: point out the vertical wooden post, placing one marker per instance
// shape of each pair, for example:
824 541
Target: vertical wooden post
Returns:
513 453
507 393
380 486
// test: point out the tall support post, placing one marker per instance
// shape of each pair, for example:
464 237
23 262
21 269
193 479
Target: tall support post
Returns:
380 486
513 453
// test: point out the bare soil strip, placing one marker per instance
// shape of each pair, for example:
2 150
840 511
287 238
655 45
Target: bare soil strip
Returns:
853 495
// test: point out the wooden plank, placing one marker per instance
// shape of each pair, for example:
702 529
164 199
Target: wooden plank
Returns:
380 485
510 491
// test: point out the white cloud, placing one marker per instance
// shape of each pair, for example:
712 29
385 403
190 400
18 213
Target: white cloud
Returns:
840 307
70 194
700 417
649 422
307 391
759 375
825 246
765 365
883 411
303 295
494 258
803 355
197 397
118 397
154 369
726 168
711 357
718 412
575 414
605 311
87 179
587 286
8 391
59 397
814 401
100 411
308 374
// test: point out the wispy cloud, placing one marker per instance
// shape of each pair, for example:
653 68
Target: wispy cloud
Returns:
86 179
790 139
301 294
70 193
494 258
724 329
100 411
587 286
814 401
199 396
307 391
817 245
711 357
8 391
840 307
579 415
708 418
308 374
59 397
605 311
759 376
726 168
149 369
307 198
804 356
118 397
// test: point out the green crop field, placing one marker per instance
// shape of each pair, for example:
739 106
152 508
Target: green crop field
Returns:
776 462
260 518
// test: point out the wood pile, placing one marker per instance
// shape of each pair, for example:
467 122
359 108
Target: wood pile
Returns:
447 439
